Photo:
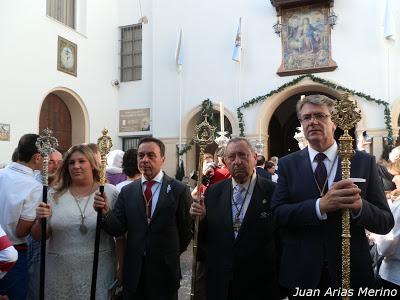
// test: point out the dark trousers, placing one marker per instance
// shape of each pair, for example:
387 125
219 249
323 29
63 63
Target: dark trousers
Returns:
15 283
390 285
142 288
324 284
200 292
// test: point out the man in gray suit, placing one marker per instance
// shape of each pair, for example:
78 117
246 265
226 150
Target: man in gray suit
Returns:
154 212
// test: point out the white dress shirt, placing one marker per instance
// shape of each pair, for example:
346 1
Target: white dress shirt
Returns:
155 189
331 164
250 184
389 246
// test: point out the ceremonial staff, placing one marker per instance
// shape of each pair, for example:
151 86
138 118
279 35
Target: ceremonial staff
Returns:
346 116
204 136
46 144
104 144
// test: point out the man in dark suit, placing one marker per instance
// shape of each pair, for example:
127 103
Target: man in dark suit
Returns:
236 230
308 201
154 212
260 168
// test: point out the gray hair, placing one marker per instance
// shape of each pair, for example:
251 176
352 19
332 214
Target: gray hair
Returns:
320 100
240 139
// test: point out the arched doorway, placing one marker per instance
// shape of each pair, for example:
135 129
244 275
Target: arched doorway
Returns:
55 115
215 120
188 131
64 112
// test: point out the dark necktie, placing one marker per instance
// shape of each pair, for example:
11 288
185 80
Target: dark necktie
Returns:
149 196
320 173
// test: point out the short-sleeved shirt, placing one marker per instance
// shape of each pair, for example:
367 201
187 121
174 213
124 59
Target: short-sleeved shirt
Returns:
20 195
8 255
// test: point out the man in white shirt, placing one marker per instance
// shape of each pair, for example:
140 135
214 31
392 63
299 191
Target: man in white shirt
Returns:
21 193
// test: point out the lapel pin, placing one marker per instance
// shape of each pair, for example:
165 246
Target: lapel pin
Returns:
263 215
168 188
264 201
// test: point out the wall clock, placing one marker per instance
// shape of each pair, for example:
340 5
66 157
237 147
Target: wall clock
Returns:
67 56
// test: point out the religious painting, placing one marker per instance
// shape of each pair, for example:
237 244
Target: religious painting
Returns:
4 132
306 40
134 120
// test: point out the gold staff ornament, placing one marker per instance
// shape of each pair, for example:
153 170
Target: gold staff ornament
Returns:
104 144
346 116
46 144
204 135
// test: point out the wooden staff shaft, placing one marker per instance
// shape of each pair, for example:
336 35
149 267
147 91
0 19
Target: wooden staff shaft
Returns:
96 250
43 249
196 227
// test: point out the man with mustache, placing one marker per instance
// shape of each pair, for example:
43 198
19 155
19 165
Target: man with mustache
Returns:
308 202
236 230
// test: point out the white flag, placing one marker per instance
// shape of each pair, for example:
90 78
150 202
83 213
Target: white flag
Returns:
179 52
237 48
389 28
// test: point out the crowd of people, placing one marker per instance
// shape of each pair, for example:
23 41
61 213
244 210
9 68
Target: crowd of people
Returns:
267 229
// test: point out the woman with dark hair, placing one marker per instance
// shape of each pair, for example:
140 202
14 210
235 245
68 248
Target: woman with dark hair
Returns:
129 167
71 230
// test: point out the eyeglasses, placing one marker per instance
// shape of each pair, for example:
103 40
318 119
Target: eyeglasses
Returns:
317 116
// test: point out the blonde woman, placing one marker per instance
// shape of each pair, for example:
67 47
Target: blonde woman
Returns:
71 230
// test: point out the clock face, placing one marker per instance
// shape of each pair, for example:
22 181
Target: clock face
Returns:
67 57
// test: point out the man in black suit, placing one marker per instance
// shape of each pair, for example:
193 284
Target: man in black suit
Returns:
154 212
236 230
308 202
260 168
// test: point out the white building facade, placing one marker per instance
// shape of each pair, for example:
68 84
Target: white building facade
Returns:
366 63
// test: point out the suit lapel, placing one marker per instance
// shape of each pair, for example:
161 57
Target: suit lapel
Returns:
139 199
306 171
226 197
252 210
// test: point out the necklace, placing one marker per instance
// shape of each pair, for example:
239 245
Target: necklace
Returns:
82 228
147 203
321 191
237 223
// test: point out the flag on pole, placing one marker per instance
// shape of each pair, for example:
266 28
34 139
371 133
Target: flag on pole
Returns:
237 48
389 28
179 53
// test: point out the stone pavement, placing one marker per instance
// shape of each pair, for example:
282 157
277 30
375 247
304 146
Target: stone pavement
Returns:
186 267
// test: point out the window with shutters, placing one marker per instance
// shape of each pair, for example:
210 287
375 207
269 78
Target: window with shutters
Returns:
132 142
131 53
62 10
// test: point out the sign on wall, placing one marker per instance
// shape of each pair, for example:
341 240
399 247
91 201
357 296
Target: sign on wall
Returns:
134 120
4 132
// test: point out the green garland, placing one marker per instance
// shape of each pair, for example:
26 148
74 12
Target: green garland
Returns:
328 84
206 109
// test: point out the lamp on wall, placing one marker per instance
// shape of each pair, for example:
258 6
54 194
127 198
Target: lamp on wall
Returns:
142 19
277 27
332 18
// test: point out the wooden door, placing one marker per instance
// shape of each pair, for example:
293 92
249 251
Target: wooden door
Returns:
55 115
